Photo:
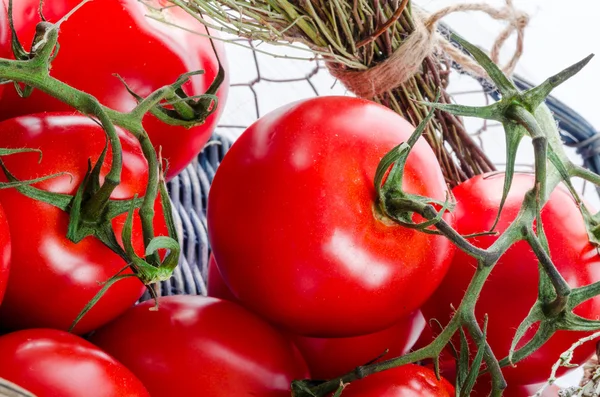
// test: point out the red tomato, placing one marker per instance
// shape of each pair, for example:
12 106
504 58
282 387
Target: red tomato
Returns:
51 278
51 363
328 358
195 343
5 252
293 228
148 54
405 381
511 289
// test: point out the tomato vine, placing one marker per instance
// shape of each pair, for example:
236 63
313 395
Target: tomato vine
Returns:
91 209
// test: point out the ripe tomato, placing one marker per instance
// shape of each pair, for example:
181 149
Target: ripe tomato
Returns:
51 278
148 54
328 358
511 289
195 343
405 381
49 362
293 227
5 252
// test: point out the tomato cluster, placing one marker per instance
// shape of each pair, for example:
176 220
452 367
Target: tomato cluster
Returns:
308 278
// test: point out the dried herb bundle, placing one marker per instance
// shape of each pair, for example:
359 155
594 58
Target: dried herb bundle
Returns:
355 38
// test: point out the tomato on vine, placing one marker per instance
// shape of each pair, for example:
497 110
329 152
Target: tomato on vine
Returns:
197 344
511 289
49 363
109 37
294 228
52 278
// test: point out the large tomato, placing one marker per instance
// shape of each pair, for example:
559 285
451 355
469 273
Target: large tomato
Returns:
51 363
197 344
405 381
511 289
294 229
110 37
51 278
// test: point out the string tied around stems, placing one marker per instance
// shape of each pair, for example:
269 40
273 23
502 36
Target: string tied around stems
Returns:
424 41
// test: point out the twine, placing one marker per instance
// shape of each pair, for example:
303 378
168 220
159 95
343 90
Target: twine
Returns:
406 60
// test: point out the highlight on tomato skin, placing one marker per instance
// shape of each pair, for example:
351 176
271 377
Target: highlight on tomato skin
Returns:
50 363
192 341
511 289
147 53
308 251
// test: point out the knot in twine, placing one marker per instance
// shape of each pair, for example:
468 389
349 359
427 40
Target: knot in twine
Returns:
407 59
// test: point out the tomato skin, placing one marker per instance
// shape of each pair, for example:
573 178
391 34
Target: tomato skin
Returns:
5 46
148 54
405 381
51 278
51 363
197 343
5 253
514 280
328 358
291 220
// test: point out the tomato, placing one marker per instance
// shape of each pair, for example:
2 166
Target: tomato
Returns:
51 278
511 289
49 362
5 252
328 358
293 227
405 381
148 54
197 343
